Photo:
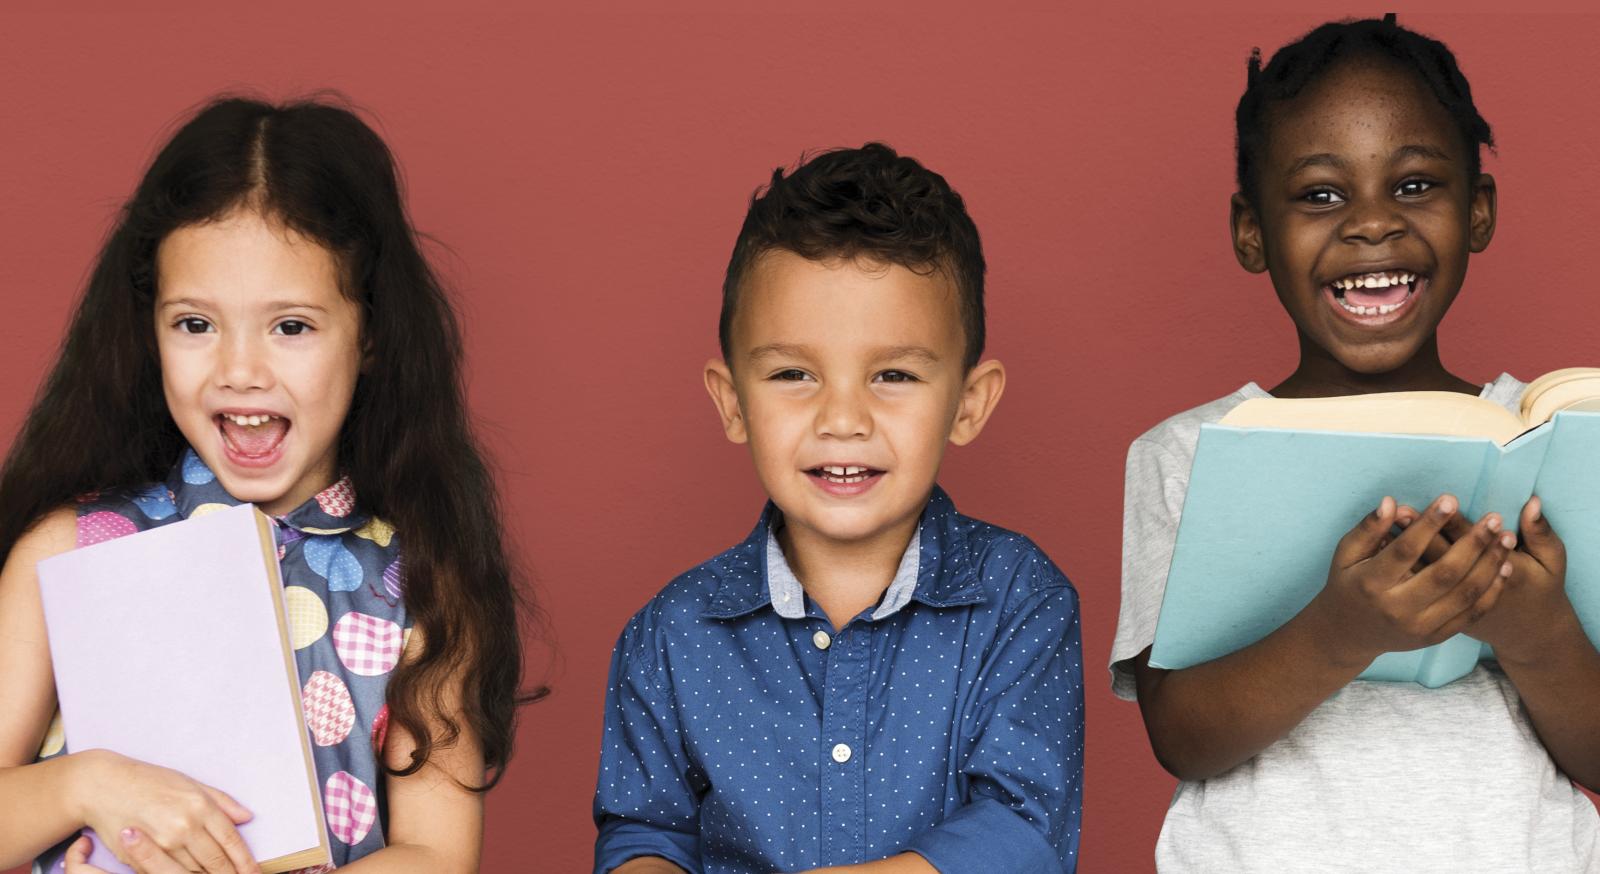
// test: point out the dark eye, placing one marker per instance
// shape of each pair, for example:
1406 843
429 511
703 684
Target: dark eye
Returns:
193 325
291 328
1322 197
1413 187
791 375
896 376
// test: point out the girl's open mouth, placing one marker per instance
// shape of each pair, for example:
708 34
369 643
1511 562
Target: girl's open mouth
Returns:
253 439
1374 298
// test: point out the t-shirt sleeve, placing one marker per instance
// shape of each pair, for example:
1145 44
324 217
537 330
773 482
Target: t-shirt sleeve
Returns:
1152 501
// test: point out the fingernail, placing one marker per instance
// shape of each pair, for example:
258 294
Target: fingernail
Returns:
1538 509
130 836
1493 522
1403 521
1508 540
1447 505
1505 569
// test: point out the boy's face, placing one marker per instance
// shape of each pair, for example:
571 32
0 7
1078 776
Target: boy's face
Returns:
1366 215
846 379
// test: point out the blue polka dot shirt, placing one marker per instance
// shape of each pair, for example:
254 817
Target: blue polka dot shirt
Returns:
743 733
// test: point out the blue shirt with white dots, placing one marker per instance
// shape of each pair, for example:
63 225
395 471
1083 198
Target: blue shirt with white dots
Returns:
743 734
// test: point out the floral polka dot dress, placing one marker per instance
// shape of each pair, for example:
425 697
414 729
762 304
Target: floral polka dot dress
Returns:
348 624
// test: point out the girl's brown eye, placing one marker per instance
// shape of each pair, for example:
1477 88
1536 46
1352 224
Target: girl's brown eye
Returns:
193 326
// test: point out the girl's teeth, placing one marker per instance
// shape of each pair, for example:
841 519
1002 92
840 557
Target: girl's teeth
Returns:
1374 280
248 421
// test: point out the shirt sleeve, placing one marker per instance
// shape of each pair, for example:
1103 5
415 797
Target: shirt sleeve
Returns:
1152 502
645 801
1024 776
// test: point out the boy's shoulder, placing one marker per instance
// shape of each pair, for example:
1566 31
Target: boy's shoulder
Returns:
1008 566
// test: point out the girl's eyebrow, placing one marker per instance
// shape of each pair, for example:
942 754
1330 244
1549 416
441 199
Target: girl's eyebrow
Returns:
1320 159
272 306
1420 151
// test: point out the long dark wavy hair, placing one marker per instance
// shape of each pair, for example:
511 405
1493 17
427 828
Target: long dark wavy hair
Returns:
100 422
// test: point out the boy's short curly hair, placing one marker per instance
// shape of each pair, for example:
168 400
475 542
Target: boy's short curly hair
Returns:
869 203
1296 66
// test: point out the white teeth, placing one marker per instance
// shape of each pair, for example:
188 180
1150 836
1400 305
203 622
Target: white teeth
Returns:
835 473
1374 280
248 421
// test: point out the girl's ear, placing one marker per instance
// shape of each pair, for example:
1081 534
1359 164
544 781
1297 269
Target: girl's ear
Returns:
1482 213
979 395
719 384
1246 228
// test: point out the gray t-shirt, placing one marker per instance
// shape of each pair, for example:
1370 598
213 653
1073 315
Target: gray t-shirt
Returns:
1381 776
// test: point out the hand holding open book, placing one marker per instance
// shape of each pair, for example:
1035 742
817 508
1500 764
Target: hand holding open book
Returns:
1278 480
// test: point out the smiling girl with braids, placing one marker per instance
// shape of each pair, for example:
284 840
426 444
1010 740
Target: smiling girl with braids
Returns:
1361 195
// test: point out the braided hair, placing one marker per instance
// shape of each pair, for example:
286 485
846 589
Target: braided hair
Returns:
1301 63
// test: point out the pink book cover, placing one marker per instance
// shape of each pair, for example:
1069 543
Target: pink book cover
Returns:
171 646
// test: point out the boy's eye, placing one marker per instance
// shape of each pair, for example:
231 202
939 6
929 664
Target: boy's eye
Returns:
791 374
1413 187
193 325
291 328
1322 197
895 376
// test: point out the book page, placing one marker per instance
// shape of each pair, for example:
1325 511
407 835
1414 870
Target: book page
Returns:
1443 413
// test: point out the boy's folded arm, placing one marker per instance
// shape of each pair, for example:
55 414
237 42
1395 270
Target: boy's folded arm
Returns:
1025 771
645 806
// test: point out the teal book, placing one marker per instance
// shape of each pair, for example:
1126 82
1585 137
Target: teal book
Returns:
1267 505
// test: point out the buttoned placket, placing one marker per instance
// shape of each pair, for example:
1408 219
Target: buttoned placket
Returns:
843 748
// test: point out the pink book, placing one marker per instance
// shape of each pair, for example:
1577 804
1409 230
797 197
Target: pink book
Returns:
171 646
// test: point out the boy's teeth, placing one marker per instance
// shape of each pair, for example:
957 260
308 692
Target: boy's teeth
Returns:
837 470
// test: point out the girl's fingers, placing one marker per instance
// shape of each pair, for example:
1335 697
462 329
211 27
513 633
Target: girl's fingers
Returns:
1397 559
1539 539
231 845
235 811
77 858
145 857
1455 608
1364 540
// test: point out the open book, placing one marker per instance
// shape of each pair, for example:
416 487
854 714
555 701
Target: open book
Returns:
1278 481
171 646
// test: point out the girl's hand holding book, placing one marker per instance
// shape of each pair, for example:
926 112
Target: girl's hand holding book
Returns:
1384 595
175 823
1534 604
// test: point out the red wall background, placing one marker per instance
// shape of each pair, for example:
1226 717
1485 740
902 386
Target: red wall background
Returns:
585 174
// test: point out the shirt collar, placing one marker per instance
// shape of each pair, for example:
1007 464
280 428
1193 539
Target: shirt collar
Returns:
936 569
197 491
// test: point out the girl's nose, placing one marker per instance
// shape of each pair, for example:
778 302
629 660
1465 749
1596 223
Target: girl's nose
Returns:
1372 221
242 365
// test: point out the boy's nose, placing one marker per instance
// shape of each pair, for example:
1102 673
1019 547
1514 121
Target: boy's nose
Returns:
844 414
1371 221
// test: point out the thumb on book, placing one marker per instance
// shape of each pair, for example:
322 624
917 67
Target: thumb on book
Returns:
1368 537
1539 539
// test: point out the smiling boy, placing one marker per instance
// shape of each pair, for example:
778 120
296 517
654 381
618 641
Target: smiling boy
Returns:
871 680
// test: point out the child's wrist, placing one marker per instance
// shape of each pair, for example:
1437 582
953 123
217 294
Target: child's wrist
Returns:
85 778
1562 638
1331 640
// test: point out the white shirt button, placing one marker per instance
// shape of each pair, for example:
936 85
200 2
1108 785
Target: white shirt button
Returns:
841 753
821 639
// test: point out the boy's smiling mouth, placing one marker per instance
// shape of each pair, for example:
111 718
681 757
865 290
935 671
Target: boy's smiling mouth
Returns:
1376 297
844 479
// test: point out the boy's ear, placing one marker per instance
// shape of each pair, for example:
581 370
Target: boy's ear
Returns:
1482 213
719 384
1246 228
979 395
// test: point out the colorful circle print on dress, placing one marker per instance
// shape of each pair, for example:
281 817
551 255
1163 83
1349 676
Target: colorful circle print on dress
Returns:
367 645
351 807
330 714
